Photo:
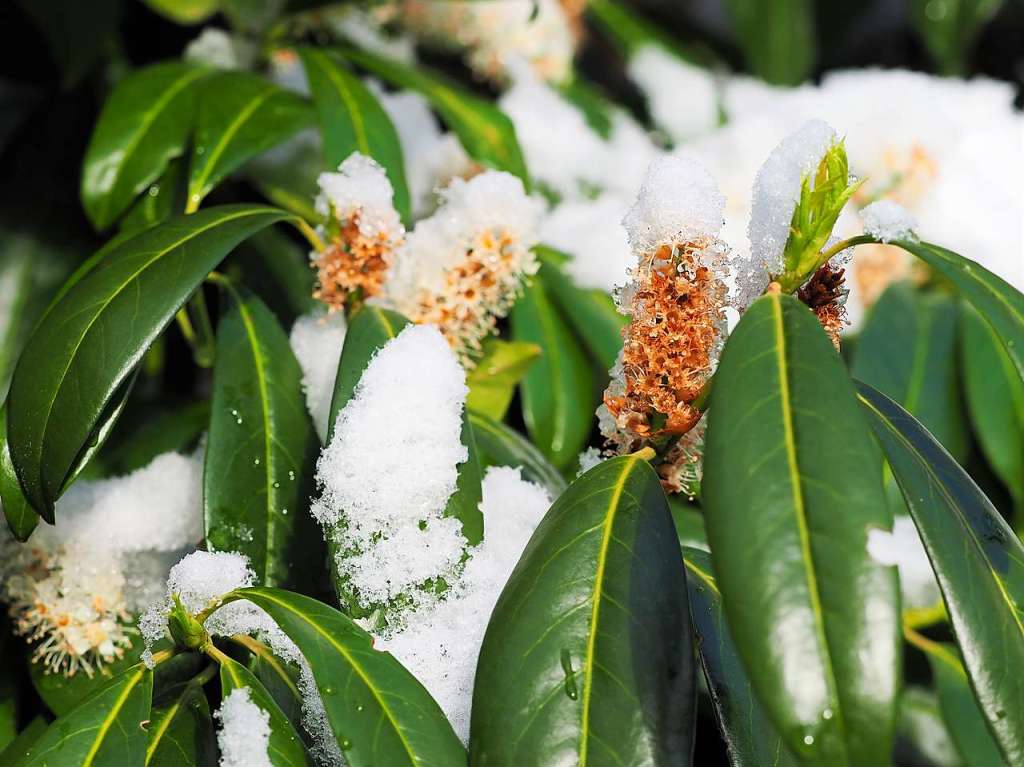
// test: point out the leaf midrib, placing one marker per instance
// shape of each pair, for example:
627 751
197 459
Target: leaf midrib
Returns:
349 101
108 720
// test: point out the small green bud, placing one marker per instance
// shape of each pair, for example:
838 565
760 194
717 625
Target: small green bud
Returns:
821 201
185 629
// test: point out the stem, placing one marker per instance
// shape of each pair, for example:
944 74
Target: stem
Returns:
204 347
310 234
204 676
211 649
849 242
160 657
932 648
917 618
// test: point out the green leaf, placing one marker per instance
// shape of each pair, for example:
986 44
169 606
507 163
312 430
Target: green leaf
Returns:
280 678
143 126
21 744
487 135
978 561
630 31
261 451
497 372
748 734
184 11
689 522
378 711
588 657
81 355
596 107
965 722
498 445
181 731
278 270
21 517
352 120
792 484
996 300
175 428
907 351
239 117
557 399
164 198
777 38
105 728
285 748
591 313
923 738
951 29
10 684
62 694
76 33
995 400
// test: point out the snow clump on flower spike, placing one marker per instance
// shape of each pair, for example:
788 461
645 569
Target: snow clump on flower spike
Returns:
676 300
887 221
363 230
462 268
392 533
244 735
662 77
73 587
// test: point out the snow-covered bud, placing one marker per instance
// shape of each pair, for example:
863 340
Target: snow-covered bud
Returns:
676 300
462 268
185 630
363 231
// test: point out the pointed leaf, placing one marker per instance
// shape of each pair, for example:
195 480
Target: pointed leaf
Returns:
82 353
21 517
181 731
239 116
777 38
499 445
285 748
748 734
978 561
373 704
62 694
352 120
108 727
21 744
262 449
144 124
486 133
587 657
557 398
493 381
792 484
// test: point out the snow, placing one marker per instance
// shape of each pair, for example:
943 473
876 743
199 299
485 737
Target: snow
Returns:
216 48
591 232
682 97
361 186
888 221
903 548
317 339
439 642
588 459
678 202
244 734
406 413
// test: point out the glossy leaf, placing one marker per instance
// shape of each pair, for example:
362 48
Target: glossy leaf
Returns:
373 704
79 359
494 378
996 300
10 682
352 120
792 484
285 748
21 517
144 124
21 744
487 135
105 728
181 732
280 678
777 38
557 398
995 400
499 445
748 734
239 117
689 523
587 657
966 723
278 270
62 694
978 562
164 198
261 451
907 350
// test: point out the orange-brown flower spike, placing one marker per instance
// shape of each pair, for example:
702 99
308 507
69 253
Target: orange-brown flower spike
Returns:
363 231
825 294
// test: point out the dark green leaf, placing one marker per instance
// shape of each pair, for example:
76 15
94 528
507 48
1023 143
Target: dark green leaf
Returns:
10 683
181 731
486 133
77 33
995 400
749 736
689 523
499 445
144 124
261 450
907 350
792 484
165 430
281 679
977 559
278 269
82 354
630 31
923 738
352 120
62 694
285 748
184 11
239 117
500 368
165 197
996 300
21 744
966 724
777 38
108 727
587 657
21 517
378 711
251 15
596 107
557 400
950 29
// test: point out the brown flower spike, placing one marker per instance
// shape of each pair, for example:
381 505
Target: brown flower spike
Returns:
353 261
825 294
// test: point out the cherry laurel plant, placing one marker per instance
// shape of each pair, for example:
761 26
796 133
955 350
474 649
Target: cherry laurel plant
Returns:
502 434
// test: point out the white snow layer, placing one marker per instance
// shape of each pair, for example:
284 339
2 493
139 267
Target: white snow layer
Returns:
888 221
244 734
682 97
317 339
903 548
